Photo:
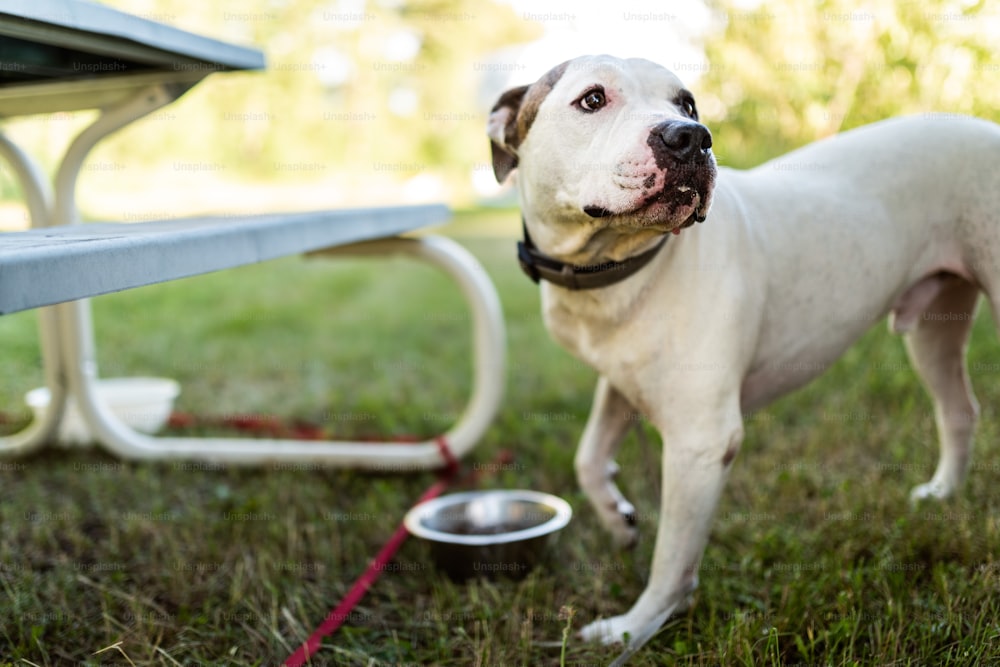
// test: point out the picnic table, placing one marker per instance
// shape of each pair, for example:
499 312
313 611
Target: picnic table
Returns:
67 55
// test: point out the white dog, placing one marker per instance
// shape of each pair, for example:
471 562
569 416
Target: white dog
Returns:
796 259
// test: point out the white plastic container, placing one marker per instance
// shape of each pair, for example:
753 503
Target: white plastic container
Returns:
144 403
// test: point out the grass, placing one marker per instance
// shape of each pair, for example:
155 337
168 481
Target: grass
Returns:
816 557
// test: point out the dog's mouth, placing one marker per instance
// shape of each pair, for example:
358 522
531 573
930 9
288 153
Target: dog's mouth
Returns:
674 195
673 208
684 205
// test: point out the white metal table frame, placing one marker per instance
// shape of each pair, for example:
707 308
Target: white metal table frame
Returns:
69 351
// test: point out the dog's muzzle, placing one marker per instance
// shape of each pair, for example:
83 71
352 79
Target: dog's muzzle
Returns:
683 152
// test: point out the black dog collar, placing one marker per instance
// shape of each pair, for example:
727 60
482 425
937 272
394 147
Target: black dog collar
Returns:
540 266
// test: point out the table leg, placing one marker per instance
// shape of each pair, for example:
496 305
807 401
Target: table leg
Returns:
489 352
47 209
38 197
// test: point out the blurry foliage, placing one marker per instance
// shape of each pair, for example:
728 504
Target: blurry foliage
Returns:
385 90
787 72
378 88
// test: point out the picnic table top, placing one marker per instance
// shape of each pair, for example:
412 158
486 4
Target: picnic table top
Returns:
64 55
41 267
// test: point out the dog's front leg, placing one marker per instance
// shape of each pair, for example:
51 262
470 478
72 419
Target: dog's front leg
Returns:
699 445
610 419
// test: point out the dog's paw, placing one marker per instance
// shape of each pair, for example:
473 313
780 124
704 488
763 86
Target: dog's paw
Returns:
623 524
931 489
607 630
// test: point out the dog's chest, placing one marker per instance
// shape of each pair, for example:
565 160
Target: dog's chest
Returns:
588 325
607 337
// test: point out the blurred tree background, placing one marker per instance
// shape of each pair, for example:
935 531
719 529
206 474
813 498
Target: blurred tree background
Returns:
361 100
379 100
380 85
786 72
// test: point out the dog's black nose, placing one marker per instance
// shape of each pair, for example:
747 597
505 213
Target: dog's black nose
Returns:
681 140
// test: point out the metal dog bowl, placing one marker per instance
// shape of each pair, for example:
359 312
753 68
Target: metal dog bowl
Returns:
489 533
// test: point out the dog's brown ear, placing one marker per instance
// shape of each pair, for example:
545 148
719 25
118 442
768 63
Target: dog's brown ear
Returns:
502 130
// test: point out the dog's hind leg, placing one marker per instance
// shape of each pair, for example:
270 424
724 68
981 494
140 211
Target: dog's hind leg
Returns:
936 346
610 419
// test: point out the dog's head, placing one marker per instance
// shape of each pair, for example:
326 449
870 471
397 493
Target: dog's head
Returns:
606 142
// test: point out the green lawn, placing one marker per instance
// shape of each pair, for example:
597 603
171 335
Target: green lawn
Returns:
816 557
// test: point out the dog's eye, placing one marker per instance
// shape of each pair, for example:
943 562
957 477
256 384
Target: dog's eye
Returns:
592 100
687 107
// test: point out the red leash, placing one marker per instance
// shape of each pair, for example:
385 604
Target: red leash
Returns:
378 564
275 427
